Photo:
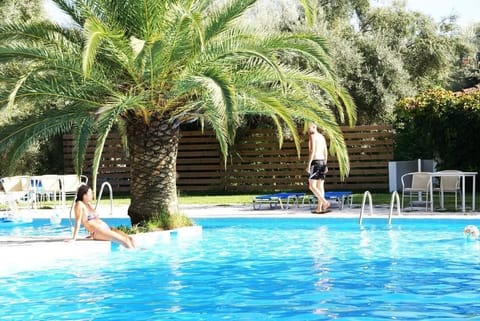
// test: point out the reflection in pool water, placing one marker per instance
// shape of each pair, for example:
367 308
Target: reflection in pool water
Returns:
264 268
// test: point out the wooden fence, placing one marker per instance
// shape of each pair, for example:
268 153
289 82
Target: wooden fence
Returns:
255 163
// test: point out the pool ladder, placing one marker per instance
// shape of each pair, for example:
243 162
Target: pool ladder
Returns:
101 193
109 186
394 199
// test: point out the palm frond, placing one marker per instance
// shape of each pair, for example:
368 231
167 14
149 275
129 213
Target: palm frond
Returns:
19 53
276 108
168 57
97 156
82 132
306 46
107 116
221 94
217 107
38 34
139 18
339 98
95 34
310 8
219 19
70 8
19 134
13 93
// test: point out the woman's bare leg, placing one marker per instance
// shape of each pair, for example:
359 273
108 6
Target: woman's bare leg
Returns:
132 240
114 235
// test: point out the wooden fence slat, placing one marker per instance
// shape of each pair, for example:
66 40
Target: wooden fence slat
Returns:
255 163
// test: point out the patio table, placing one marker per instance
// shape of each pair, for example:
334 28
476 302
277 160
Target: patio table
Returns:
462 175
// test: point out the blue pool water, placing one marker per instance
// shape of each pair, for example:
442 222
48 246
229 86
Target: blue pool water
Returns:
264 269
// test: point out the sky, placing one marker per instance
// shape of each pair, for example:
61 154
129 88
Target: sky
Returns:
468 11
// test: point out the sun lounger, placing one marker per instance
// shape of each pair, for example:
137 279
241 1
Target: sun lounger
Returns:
284 200
17 189
339 197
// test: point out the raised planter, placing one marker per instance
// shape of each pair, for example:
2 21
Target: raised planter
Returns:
150 239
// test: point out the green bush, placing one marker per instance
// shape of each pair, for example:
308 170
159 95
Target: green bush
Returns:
442 125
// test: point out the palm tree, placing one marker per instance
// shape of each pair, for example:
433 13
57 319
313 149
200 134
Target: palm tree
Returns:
145 67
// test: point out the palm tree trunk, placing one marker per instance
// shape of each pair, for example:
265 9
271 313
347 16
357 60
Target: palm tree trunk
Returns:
153 154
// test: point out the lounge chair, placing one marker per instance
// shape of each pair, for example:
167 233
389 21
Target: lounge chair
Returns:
284 200
339 197
50 188
18 189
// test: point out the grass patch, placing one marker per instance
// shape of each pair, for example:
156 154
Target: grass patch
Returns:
162 222
238 199
378 198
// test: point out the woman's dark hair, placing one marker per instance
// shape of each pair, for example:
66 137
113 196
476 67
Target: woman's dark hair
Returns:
81 191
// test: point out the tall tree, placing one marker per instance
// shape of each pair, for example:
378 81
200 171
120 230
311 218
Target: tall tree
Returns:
15 10
40 157
146 67
391 54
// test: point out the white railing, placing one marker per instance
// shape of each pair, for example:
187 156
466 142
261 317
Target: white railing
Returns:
111 195
365 195
394 198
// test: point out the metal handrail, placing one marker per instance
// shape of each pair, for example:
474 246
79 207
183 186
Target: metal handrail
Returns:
365 195
111 195
396 197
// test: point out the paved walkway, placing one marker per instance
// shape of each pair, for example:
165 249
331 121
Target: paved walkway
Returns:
246 210
304 211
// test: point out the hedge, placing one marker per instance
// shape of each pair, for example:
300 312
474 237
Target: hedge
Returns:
442 125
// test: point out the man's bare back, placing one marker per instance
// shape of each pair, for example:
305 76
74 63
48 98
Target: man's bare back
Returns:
317 146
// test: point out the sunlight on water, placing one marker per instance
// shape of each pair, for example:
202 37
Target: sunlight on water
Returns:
258 269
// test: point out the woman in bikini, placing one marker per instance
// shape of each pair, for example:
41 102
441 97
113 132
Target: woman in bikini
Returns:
86 214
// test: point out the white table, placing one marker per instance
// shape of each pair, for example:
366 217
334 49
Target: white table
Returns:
462 176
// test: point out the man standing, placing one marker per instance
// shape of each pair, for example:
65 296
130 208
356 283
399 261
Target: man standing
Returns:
317 167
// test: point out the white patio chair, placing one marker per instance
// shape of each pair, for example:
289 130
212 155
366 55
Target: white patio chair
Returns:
18 189
70 183
449 184
419 184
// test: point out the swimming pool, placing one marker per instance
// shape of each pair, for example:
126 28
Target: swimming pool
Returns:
266 269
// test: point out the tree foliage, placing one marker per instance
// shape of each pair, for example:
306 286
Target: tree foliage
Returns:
148 66
442 125
382 54
44 156
20 10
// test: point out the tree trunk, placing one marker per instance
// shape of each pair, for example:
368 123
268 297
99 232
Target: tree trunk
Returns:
153 154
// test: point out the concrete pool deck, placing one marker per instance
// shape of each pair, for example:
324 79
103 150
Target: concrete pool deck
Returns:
246 210
380 211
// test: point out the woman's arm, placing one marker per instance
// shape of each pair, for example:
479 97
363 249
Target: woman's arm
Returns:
78 220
